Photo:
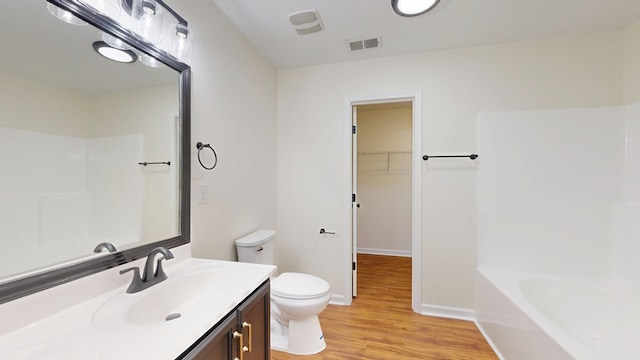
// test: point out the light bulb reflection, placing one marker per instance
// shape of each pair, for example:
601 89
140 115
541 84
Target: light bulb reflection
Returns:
64 15
150 61
115 42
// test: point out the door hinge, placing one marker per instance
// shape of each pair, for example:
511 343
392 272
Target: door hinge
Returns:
353 197
353 266
353 129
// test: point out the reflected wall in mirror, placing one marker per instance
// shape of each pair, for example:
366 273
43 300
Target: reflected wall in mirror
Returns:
74 127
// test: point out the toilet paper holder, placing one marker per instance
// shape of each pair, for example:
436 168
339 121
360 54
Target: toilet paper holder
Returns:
323 231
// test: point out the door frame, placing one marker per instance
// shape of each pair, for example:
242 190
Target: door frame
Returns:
416 190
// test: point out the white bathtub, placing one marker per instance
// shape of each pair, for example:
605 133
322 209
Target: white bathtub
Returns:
548 318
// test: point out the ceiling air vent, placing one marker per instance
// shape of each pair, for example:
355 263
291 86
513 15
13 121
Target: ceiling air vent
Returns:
363 44
306 22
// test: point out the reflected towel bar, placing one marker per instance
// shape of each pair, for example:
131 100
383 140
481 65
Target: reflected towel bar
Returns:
471 156
168 163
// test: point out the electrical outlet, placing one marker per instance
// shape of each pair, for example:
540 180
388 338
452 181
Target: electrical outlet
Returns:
203 194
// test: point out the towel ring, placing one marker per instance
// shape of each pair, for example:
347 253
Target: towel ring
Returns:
201 146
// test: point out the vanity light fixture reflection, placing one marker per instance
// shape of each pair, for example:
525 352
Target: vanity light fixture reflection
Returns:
182 32
115 54
115 42
182 43
149 7
410 8
64 15
150 61
148 16
148 19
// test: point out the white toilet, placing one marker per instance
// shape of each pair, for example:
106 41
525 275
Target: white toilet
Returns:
296 299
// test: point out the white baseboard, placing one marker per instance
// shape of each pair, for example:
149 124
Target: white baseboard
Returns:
403 253
337 300
448 312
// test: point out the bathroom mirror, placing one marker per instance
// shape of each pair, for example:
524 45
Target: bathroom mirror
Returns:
91 150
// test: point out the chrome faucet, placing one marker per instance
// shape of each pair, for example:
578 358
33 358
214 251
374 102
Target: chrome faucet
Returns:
149 277
105 246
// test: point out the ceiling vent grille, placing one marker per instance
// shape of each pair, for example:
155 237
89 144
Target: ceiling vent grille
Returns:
364 44
306 22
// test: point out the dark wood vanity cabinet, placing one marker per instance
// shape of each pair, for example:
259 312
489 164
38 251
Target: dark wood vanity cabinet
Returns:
253 320
244 334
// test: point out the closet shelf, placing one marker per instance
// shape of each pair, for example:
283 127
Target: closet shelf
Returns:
384 162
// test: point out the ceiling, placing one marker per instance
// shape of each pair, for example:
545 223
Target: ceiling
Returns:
452 24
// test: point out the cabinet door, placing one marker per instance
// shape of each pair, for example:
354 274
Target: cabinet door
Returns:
218 344
253 319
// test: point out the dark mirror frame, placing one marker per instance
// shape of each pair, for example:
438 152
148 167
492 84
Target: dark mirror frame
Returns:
47 279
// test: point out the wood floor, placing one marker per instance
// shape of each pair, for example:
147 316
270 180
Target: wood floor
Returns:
381 325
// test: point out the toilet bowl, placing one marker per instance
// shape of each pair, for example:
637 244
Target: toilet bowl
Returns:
296 299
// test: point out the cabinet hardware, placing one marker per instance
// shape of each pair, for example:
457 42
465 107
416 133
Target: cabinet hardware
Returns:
239 336
246 325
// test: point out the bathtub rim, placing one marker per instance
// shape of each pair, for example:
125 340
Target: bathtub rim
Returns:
507 282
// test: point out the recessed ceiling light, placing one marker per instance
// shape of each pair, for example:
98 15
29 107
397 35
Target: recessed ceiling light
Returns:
119 55
413 7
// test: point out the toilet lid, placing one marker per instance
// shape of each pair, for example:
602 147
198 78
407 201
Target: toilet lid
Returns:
298 286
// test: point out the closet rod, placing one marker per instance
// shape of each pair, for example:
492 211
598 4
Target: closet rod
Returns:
471 156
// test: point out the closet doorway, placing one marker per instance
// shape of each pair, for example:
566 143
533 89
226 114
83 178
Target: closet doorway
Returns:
385 199
383 185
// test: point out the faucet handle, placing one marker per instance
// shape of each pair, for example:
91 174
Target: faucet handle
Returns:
136 283
135 269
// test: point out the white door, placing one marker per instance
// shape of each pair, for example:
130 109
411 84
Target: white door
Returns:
354 203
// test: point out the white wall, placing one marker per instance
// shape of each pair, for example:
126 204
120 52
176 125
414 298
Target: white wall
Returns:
234 109
49 109
384 180
632 63
456 85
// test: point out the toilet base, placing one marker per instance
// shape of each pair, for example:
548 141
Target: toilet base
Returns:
299 337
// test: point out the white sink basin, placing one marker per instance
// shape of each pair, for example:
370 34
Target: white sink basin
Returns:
171 301
93 318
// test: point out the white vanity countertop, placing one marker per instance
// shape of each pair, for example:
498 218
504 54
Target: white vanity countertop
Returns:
82 319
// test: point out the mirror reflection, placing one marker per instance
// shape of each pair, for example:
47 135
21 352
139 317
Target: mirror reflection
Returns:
74 128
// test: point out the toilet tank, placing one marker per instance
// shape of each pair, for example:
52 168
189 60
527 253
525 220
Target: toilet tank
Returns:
256 247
